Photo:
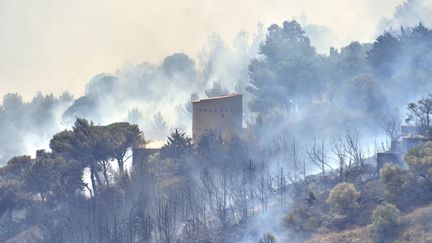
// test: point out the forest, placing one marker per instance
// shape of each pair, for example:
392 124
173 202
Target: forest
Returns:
302 169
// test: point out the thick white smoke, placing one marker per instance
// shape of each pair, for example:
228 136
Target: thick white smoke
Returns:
409 14
154 96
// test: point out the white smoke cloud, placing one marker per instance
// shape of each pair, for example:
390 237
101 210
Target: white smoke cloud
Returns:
408 14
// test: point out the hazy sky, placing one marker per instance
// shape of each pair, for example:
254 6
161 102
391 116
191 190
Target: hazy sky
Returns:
54 45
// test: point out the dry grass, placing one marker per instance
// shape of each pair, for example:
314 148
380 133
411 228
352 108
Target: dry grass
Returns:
358 235
416 227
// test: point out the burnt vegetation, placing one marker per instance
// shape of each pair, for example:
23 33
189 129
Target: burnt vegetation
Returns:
302 168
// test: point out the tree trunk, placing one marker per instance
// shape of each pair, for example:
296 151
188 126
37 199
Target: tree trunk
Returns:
120 163
105 174
92 178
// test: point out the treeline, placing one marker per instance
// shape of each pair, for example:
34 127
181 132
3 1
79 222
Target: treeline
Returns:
189 192
287 75
182 194
308 93
27 125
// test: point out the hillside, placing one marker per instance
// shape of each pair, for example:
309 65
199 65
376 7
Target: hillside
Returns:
416 227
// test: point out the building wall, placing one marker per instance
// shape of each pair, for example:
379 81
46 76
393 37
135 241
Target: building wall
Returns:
389 157
406 130
140 155
410 142
216 115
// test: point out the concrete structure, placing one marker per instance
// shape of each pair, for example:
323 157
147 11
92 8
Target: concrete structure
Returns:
409 138
409 142
213 115
389 157
406 130
216 115
141 152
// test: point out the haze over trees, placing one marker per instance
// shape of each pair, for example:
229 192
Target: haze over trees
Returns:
309 113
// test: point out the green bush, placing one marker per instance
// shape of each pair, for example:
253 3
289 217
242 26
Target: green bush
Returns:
385 223
419 160
392 177
343 198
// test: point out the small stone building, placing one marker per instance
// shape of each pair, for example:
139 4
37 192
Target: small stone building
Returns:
216 115
389 157
142 152
409 138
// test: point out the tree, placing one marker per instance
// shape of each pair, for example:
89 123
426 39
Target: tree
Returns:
290 68
421 114
188 106
16 167
268 238
343 198
122 136
317 155
370 97
143 221
391 123
353 148
94 146
67 177
166 217
10 198
159 125
84 144
385 221
216 90
135 116
178 63
39 177
383 54
178 144
51 174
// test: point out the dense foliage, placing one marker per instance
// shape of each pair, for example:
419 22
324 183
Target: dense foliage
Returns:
86 190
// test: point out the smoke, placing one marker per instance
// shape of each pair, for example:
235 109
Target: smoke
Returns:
322 37
291 92
408 14
157 96
154 96
27 126
164 90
